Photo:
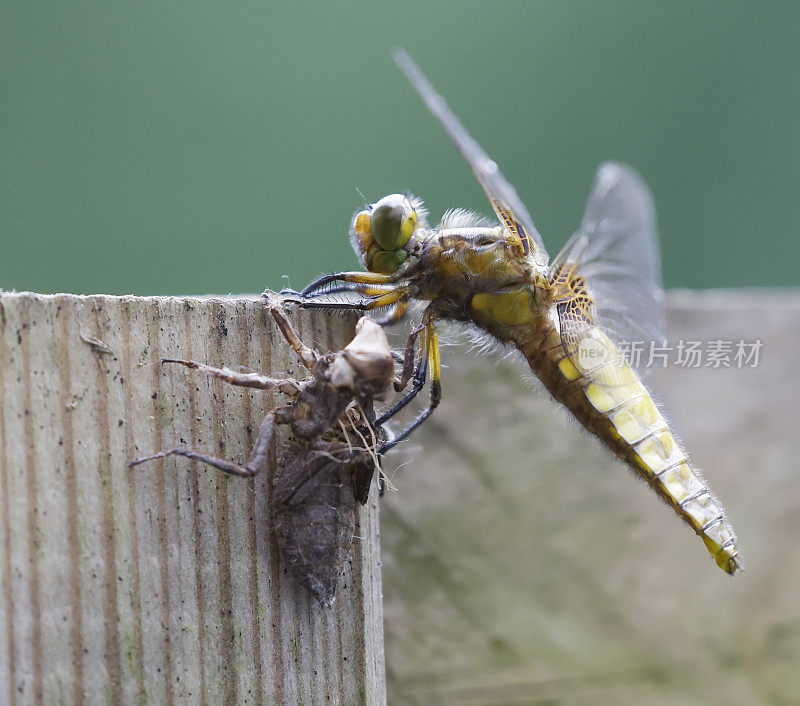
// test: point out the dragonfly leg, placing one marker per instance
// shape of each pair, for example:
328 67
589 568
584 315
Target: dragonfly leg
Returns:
338 289
409 358
308 356
412 370
354 277
395 314
432 362
259 382
255 464
368 303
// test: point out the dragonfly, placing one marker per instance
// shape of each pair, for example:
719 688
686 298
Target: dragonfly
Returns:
569 317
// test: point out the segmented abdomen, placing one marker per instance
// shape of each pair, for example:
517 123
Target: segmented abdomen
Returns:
609 399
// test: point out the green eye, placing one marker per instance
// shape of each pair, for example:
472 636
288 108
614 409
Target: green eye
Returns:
392 221
370 256
386 262
483 242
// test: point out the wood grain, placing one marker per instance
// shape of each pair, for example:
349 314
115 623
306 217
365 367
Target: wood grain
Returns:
162 584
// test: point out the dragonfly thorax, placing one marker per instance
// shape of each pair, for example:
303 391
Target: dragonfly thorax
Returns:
454 265
482 256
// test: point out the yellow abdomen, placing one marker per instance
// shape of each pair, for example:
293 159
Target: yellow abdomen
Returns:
608 398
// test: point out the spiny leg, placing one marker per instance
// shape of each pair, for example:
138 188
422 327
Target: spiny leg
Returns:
341 288
373 290
434 363
338 289
259 382
395 314
308 356
418 383
366 304
355 277
294 297
255 464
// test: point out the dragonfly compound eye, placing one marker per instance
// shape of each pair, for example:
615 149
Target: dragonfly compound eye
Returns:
392 221
387 262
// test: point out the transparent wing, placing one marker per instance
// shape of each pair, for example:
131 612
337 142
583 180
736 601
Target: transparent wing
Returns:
594 355
503 197
616 251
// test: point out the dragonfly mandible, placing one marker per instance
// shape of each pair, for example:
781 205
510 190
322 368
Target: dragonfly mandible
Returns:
567 317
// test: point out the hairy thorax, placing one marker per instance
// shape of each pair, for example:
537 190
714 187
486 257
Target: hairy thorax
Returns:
490 285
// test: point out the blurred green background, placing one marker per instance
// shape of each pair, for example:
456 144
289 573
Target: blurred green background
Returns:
156 147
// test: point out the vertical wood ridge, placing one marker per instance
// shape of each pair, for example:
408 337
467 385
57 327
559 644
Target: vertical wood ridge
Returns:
243 316
34 540
110 607
221 481
161 519
6 520
195 490
136 651
71 486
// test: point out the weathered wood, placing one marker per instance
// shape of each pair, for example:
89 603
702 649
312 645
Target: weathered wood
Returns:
160 584
523 564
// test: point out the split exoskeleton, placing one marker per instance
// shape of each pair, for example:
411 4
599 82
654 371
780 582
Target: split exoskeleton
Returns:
326 466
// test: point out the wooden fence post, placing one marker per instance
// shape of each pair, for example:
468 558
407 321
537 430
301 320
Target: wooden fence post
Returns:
159 584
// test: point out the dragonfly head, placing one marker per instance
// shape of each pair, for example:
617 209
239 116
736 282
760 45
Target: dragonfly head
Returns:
381 231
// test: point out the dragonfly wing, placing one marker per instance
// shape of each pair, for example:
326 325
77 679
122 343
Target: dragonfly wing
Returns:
594 356
615 251
503 197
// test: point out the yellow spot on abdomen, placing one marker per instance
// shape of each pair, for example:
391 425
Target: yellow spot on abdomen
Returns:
702 510
659 452
681 482
568 370
600 397
637 419
607 397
